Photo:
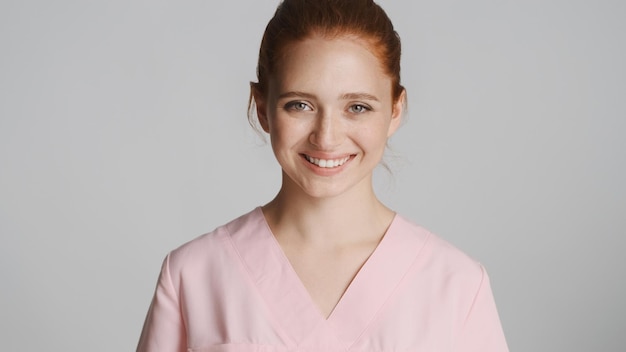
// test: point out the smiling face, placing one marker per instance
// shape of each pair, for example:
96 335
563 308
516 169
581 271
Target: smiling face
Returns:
329 112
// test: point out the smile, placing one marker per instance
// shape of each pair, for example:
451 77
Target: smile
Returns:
329 164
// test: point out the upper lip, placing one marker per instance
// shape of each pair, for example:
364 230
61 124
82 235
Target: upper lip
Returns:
327 156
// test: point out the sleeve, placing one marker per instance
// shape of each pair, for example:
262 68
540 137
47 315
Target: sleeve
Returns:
481 330
164 329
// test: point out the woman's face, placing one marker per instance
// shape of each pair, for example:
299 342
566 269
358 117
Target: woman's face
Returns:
329 112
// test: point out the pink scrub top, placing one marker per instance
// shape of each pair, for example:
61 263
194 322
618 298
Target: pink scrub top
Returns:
234 290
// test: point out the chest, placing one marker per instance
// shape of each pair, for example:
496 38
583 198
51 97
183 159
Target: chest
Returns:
249 294
327 274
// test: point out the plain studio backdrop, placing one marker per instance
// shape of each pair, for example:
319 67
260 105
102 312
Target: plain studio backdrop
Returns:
123 134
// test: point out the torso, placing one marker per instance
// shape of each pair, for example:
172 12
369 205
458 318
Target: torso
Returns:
235 290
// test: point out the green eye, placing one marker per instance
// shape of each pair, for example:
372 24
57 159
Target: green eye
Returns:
359 108
298 106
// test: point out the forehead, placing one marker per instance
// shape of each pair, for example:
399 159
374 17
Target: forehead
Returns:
340 63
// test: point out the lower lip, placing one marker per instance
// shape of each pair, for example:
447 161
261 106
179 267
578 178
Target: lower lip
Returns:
325 171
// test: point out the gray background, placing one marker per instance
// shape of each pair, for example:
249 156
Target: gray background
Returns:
123 134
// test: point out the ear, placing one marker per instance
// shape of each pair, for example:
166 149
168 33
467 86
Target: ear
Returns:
260 102
397 111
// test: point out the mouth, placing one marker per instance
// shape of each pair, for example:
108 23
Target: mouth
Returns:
327 163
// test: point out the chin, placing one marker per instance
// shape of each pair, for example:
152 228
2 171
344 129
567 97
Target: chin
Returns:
330 188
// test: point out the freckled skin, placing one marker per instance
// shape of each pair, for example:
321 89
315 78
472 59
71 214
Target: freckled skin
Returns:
329 99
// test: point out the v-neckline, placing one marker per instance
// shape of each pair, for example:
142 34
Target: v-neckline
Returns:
296 316
297 280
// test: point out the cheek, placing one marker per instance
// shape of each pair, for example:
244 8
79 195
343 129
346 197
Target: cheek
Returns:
288 128
375 136
283 134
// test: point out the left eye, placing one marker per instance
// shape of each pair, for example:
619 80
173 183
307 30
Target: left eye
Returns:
358 108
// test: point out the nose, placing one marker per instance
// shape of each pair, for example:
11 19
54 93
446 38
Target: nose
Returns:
327 131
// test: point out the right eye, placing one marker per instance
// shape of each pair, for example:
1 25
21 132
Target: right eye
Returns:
298 106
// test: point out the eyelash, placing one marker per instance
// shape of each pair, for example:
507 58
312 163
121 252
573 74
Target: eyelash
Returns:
364 108
297 106
302 106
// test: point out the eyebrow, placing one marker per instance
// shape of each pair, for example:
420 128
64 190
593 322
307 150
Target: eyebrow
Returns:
296 95
359 96
346 96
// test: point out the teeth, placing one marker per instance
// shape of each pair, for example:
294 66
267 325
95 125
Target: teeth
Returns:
326 163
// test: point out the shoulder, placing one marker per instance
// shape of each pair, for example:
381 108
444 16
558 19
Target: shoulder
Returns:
214 246
440 256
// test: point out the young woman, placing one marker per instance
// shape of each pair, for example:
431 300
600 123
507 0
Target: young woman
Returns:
324 266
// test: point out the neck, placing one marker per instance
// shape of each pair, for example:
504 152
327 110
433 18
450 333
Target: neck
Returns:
354 216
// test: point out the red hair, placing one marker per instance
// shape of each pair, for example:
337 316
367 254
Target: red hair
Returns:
296 20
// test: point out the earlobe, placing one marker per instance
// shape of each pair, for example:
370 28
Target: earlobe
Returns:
396 113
